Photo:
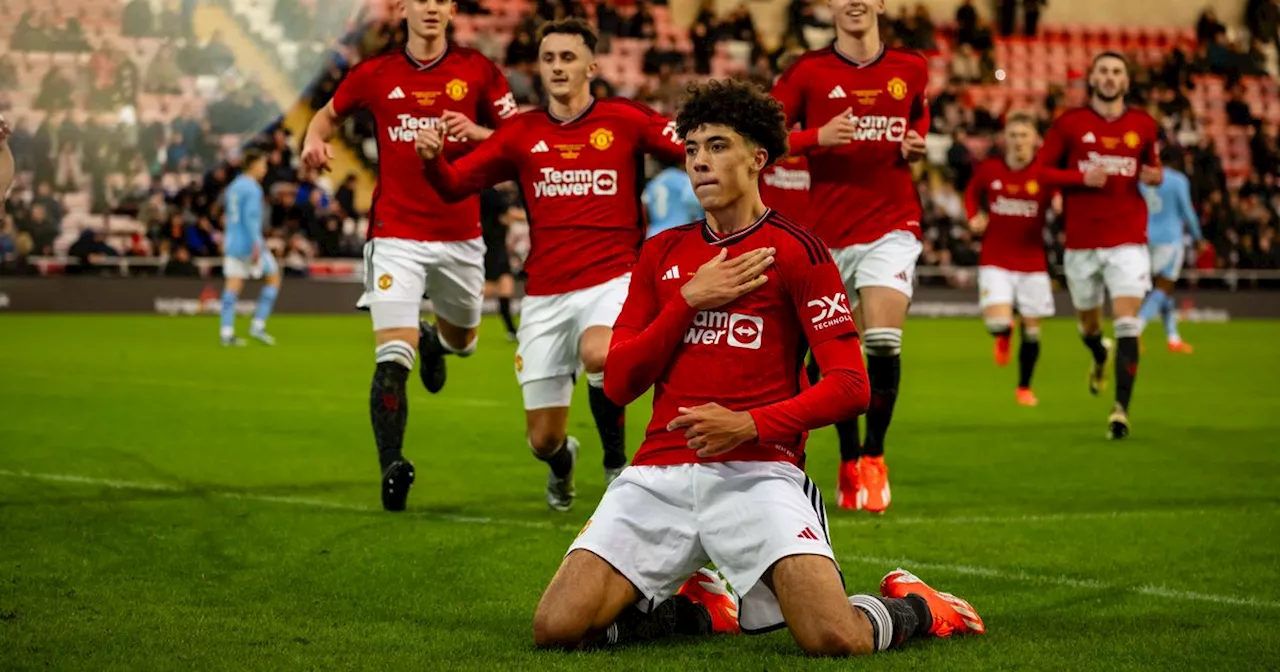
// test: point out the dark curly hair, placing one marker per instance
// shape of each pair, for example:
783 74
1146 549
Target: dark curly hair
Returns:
740 105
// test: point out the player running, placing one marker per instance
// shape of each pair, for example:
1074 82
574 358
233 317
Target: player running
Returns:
1006 206
717 477
245 253
579 164
863 110
417 241
1096 155
1169 211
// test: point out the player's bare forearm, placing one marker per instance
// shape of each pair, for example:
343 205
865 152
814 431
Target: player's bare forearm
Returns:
637 358
323 125
842 393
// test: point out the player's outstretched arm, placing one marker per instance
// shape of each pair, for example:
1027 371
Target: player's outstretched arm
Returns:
646 335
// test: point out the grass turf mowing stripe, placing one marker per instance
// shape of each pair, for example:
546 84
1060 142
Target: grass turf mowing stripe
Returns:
1149 590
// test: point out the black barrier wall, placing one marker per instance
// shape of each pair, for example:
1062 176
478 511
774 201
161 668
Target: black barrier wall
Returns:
194 296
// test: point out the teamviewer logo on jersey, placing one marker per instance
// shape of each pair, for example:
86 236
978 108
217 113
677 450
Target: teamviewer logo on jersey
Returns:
735 329
830 311
576 183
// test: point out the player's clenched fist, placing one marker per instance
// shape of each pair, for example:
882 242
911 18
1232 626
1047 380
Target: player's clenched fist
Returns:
713 429
1095 177
720 281
913 147
317 154
839 131
978 223
429 143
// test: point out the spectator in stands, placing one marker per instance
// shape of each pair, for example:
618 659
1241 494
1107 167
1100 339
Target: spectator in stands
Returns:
966 22
640 24
8 241
43 230
965 66
298 256
138 21
522 49
1007 15
959 160
608 23
90 249
346 197
163 74
179 264
1265 154
171 22
8 73
923 31
1237 108
199 238
662 53
55 91
1031 16
1208 27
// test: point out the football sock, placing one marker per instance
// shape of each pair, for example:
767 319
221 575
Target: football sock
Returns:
266 302
894 620
850 439
884 372
1000 328
1127 330
388 401
811 369
228 321
1169 312
1027 355
504 309
610 422
1152 305
464 352
561 461
676 616
1094 343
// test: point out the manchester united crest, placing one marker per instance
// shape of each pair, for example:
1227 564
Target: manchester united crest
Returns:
519 363
456 89
1131 140
897 88
384 281
1033 187
602 139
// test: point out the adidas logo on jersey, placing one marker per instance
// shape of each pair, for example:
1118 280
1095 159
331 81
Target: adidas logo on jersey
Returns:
807 533
672 273
396 94
837 93
1089 138
540 148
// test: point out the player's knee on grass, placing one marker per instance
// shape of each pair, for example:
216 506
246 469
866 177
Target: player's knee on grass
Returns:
583 599
811 595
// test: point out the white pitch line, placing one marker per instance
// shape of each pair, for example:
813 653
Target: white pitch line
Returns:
1149 590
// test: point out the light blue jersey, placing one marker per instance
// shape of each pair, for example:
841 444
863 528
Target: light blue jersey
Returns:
1169 210
243 199
670 201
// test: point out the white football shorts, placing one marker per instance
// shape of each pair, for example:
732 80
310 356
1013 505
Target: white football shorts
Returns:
244 268
889 261
1124 271
551 326
657 525
398 272
1030 293
1166 260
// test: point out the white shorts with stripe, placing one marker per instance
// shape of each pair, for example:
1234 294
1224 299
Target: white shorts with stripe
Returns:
1123 271
398 272
657 525
1030 293
1166 260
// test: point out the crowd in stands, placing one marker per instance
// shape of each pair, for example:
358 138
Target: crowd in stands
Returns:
88 128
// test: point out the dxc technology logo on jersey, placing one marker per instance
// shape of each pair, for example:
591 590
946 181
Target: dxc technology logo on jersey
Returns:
832 310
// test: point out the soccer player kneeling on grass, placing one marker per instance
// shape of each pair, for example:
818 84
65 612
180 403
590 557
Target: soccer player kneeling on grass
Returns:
717 477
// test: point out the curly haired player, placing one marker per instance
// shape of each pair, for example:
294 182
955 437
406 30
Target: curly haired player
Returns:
718 477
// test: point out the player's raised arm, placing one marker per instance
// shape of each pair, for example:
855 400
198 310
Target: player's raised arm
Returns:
645 335
6 159
487 165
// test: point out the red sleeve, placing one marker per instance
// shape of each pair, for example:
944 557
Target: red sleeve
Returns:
843 393
818 294
658 137
1052 160
975 195
645 335
920 116
497 94
1151 154
787 91
487 165
351 94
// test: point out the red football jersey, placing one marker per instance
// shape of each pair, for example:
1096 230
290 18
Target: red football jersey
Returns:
581 180
405 95
748 353
862 190
1015 203
1081 139
784 186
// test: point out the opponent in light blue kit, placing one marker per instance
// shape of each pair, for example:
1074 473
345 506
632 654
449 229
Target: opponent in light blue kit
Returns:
245 253
669 201
1169 210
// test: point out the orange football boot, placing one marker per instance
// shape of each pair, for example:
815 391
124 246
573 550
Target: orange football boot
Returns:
847 486
706 588
873 488
1026 397
951 615
1181 347
1001 352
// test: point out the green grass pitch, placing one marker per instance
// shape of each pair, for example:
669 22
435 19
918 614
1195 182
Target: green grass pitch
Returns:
167 504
